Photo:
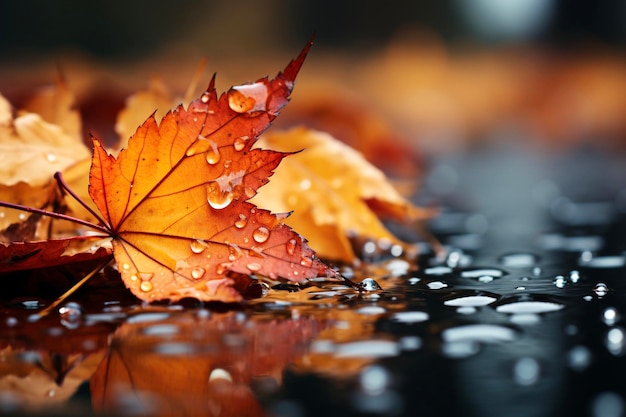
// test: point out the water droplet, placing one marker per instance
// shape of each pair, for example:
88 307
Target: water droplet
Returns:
249 192
436 285
248 98
410 316
261 234
453 260
483 333
560 281
519 260
615 341
601 289
290 246
470 298
607 404
374 380
146 286
528 307
603 262
197 272
396 251
367 349
220 269
438 270
134 277
22 216
610 316
241 222
526 371
574 276
240 143
50 157
205 97
481 273
125 266
71 315
217 198
579 358
11 321
219 373
213 154
198 246
306 262
369 284
253 266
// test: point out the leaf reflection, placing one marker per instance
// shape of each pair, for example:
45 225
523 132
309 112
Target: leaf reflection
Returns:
196 364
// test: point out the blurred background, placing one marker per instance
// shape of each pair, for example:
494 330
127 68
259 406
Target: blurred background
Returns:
433 76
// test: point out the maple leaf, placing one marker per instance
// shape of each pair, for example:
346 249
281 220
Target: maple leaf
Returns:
333 191
175 200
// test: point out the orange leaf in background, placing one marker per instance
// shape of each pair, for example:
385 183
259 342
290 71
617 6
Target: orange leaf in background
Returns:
175 201
333 192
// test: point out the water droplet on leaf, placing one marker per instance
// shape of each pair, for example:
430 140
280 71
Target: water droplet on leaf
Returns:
248 98
217 198
146 286
197 272
290 246
261 234
197 246
241 222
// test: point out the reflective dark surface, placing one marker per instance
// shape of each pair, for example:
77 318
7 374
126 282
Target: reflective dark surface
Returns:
523 316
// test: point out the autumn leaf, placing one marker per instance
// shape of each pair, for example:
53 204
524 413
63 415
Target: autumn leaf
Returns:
333 191
175 201
42 139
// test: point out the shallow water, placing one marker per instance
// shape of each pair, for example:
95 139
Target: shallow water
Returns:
523 317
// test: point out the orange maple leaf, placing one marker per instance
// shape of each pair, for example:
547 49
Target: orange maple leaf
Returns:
175 203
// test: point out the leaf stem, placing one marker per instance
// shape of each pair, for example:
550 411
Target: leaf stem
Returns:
71 291
63 185
54 215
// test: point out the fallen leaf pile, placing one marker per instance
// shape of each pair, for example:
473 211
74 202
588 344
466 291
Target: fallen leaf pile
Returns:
173 206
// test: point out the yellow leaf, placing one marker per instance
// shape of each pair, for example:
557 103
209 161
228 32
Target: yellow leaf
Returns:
332 191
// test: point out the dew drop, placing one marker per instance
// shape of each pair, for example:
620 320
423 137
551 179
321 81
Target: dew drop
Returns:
369 284
240 143
212 154
220 269
146 286
253 266
198 246
249 192
248 98
306 262
71 314
261 234
125 266
50 157
601 289
290 246
134 277
610 316
241 222
197 272
205 97
217 198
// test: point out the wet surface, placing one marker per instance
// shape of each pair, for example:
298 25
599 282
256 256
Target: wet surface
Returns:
522 317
